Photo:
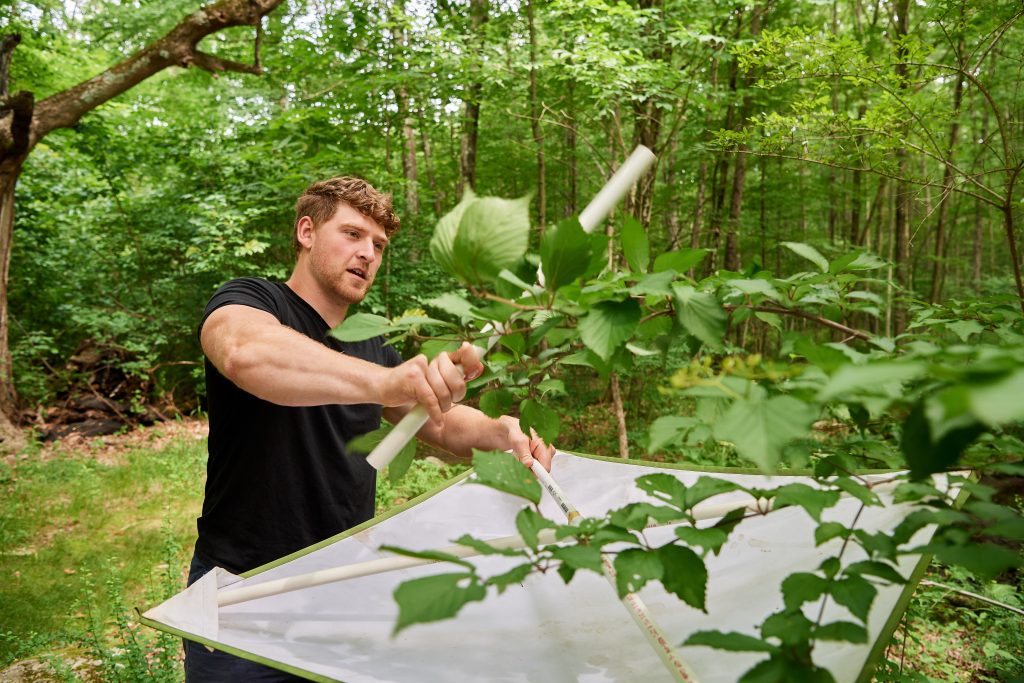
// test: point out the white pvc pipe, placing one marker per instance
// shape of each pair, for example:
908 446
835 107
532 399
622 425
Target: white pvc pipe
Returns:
703 511
655 637
616 187
352 571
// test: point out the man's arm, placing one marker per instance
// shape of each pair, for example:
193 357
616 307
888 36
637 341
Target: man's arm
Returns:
278 364
464 428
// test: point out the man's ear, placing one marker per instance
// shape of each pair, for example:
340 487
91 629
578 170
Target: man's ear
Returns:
304 231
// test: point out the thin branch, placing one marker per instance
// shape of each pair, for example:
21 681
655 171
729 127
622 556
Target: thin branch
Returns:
215 64
858 334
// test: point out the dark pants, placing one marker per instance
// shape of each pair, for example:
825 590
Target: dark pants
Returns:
203 665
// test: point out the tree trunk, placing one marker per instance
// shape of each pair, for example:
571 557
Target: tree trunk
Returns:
938 266
29 122
672 208
409 171
538 132
471 116
620 416
572 182
902 209
429 171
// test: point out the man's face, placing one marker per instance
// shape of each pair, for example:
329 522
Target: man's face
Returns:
345 252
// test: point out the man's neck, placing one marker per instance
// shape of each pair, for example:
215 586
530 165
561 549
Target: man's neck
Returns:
310 291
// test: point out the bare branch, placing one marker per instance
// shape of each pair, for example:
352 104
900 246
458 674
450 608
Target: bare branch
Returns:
216 64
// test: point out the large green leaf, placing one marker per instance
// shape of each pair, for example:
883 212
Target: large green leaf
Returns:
503 472
433 598
565 253
535 415
684 574
493 235
701 314
759 429
731 642
809 253
608 325
635 245
679 261
634 567
442 244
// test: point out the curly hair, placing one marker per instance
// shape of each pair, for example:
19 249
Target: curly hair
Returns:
321 199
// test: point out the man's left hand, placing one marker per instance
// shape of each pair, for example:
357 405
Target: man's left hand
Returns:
527 448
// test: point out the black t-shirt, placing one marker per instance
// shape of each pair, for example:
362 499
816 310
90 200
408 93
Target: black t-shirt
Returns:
279 478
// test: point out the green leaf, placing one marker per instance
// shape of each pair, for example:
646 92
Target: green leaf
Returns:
679 261
791 627
809 253
516 575
541 418
710 539
701 314
634 568
608 325
759 429
999 402
664 487
453 304
442 244
825 357
565 253
579 557
854 378
403 460
485 549
503 472
882 570
667 429
855 593
433 598
755 287
826 531
730 642
857 490
842 631
684 574
802 587
856 261
639 515
496 403
493 235
657 284
433 555
529 523
706 487
362 326
926 456
965 328
983 559
811 499
635 245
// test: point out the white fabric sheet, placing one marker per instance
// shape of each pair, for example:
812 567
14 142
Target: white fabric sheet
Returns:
543 630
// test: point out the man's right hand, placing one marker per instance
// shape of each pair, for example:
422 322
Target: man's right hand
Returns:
436 385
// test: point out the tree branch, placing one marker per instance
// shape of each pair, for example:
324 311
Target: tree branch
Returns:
859 334
216 64
178 47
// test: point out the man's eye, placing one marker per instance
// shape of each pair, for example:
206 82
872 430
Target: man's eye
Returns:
378 246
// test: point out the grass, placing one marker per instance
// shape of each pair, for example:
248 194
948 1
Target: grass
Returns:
90 529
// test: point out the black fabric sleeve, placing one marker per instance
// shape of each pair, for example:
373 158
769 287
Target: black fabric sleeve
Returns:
246 291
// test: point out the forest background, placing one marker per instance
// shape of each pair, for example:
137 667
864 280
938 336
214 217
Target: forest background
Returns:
788 134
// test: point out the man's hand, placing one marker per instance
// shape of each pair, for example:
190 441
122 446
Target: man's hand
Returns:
436 385
526 448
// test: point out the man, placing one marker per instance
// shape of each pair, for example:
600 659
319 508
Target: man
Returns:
285 397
